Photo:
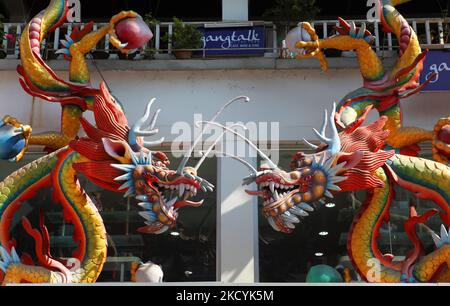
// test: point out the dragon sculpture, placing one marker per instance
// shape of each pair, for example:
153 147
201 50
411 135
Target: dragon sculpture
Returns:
113 155
375 158
353 160
382 90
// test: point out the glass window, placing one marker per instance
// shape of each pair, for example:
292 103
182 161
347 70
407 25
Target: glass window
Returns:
321 238
185 253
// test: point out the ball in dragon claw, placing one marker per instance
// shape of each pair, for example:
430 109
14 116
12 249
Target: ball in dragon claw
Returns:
133 31
444 134
295 35
12 142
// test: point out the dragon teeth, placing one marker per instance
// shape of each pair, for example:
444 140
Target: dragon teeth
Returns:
171 202
289 225
287 217
273 224
306 207
145 205
149 216
181 189
276 196
298 211
272 186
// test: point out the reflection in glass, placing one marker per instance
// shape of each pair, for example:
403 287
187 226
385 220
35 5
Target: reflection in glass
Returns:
186 253
289 257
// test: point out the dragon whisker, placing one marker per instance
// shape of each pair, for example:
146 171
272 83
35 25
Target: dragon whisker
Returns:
199 138
200 162
248 141
245 163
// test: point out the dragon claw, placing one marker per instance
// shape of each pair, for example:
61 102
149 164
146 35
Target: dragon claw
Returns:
312 48
113 39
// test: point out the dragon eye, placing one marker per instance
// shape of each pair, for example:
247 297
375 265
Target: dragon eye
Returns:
148 174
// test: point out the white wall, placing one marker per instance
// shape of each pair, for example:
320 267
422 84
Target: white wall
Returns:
295 98
237 225
234 10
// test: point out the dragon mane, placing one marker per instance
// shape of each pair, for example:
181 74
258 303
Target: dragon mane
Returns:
362 145
112 124
360 155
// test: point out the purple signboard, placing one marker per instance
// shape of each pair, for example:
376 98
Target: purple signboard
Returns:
437 61
234 40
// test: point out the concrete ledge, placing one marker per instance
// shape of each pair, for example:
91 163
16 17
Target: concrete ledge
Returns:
252 63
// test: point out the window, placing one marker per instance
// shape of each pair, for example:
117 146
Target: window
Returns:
321 238
186 253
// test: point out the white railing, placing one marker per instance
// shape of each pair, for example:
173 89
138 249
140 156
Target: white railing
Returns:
431 33
156 45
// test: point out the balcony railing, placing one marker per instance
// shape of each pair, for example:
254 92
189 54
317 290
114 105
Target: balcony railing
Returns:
433 33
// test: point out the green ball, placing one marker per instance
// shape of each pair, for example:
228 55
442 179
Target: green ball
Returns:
323 274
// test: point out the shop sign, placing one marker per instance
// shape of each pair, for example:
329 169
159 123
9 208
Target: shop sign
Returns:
436 69
234 41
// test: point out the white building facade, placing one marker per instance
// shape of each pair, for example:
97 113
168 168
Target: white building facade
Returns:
287 92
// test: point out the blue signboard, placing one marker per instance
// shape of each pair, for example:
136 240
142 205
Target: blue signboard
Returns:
436 62
234 40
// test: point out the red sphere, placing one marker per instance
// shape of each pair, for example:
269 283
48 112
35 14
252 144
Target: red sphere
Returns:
444 134
133 31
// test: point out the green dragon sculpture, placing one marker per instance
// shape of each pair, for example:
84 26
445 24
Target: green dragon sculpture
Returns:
382 90
373 158
353 160
113 155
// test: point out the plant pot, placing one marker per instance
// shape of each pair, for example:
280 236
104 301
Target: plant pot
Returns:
148 54
2 54
101 55
183 54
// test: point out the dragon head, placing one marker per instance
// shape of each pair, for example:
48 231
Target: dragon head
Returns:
118 159
160 190
344 161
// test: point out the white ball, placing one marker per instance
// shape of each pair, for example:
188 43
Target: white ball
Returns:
149 273
295 35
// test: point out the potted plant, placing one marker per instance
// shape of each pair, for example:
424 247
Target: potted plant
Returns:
185 39
149 51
